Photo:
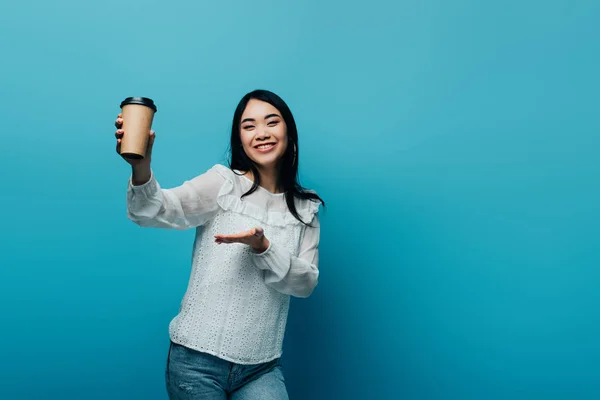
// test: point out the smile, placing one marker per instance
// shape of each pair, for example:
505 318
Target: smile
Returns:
263 148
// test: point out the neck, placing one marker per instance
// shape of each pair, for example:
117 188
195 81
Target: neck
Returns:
268 178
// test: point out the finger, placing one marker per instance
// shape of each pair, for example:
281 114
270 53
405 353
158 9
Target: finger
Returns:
119 133
239 236
119 122
224 237
231 238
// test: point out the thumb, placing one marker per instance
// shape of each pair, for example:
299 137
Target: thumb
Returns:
258 231
151 141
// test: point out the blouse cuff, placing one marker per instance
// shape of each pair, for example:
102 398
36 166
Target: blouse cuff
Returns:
274 259
148 188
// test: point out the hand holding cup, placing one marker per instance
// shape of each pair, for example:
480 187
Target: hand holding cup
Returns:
135 136
120 134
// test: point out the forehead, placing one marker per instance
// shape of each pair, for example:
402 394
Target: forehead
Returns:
257 109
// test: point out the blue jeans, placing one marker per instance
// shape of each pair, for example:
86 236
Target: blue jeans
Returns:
192 375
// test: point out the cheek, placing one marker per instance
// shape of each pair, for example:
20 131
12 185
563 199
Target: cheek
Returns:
246 139
282 135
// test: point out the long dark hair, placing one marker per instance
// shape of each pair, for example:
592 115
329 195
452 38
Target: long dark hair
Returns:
288 164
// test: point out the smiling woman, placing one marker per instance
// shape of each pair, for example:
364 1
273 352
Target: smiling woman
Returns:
264 139
226 340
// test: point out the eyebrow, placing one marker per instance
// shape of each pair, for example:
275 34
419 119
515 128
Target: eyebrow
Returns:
266 117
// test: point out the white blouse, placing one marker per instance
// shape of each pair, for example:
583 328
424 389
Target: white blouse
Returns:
236 303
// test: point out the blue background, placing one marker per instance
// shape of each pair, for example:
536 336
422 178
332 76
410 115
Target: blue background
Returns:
455 143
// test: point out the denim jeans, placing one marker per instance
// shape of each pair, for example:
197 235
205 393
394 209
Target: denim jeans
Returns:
192 375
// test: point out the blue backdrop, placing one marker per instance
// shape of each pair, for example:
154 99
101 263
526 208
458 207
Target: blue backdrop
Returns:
455 143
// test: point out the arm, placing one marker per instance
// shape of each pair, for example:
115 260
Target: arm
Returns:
288 274
186 206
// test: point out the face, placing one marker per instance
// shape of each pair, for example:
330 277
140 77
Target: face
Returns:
263 133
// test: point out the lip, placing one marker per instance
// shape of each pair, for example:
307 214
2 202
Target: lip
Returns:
265 150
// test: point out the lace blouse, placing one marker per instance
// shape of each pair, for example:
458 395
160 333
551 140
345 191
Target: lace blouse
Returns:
236 304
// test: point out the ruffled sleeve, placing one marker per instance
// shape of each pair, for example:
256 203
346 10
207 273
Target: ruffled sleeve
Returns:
186 206
290 274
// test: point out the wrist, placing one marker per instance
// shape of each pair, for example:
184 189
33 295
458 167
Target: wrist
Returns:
262 247
140 174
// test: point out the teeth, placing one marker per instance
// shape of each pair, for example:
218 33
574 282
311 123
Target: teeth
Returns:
265 146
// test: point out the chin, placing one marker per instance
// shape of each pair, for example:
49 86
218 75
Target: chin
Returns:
267 162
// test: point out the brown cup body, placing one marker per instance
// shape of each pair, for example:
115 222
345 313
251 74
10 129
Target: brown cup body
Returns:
137 123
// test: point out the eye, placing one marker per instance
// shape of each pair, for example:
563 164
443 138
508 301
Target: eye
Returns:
248 127
273 123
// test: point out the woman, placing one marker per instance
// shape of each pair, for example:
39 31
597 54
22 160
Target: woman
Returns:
256 244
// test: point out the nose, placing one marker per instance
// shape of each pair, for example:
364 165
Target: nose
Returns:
262 133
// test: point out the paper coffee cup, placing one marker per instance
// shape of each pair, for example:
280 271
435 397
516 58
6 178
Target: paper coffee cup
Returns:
138 113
